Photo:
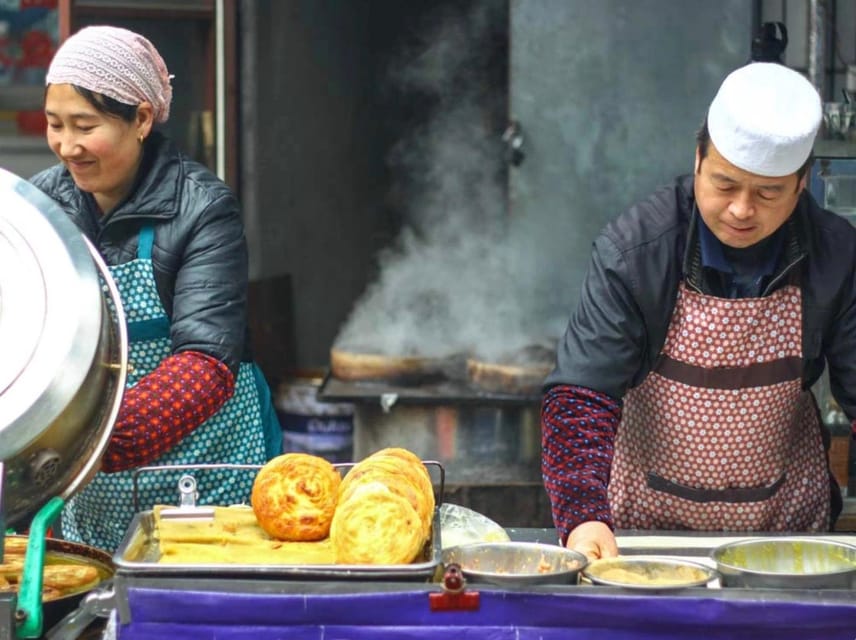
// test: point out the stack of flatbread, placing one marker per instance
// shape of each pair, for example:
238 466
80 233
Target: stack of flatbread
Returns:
385 510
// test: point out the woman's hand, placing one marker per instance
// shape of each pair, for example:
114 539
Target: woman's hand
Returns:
594 539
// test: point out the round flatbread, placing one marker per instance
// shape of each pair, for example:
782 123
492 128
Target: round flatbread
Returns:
399 484
405 475
356 365
424 478
376 526
294 497
522 371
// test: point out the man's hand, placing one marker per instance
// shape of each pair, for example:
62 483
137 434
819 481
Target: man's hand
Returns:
594 539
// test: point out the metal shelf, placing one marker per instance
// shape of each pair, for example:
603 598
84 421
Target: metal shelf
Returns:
834 149
145 5
440 392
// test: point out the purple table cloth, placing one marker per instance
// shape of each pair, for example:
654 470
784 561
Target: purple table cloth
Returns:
502 615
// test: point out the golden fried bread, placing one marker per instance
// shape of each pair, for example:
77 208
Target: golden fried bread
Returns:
230 525
519 371
399 452
15 544
376 526
398 484
404 474
294 496
52 593
415 463
271 552
232 536
61 575
361 364
408 465
67 576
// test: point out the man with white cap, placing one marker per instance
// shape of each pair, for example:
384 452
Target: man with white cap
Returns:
681 396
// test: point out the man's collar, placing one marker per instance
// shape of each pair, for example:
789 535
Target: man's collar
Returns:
713 254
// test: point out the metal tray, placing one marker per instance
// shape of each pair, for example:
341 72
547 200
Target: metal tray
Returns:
138 554
435 392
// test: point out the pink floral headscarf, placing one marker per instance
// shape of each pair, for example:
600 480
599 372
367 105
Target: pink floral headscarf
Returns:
117 63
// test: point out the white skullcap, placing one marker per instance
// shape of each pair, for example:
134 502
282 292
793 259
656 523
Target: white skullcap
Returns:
764 119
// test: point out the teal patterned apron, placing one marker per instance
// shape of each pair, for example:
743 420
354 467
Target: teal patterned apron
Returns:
244 431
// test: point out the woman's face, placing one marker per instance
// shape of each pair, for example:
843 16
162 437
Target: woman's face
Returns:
101 152
739 207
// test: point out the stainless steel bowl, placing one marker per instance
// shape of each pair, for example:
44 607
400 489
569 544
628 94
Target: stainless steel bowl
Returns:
516 563
787 563
649 573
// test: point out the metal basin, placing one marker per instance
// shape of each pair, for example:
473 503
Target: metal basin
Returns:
649 573
787 563
517 563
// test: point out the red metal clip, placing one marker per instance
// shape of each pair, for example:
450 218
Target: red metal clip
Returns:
454 597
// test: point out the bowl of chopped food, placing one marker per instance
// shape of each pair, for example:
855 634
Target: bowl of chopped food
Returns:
787 563
649 573
516 563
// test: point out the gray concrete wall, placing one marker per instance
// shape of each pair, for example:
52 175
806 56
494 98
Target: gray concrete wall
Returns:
609 96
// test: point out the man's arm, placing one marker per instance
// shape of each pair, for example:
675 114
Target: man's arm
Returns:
578 427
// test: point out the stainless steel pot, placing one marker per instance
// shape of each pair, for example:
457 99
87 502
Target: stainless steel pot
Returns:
64 350
787 562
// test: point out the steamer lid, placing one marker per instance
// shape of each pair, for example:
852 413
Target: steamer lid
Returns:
50 312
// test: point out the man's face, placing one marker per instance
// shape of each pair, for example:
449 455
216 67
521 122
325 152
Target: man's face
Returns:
739 207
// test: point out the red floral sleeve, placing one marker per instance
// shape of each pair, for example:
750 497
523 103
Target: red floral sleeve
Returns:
165 406
578 428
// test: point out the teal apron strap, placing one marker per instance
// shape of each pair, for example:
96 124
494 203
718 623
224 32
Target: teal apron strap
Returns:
158 327
270 422
145 242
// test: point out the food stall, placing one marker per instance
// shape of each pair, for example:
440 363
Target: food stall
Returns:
488 581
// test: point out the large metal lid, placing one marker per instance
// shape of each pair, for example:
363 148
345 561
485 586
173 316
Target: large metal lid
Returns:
64 349
50 312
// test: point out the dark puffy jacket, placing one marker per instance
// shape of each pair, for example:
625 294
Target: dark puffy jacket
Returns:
199 252
638 261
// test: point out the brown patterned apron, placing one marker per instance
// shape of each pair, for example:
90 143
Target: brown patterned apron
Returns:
720 435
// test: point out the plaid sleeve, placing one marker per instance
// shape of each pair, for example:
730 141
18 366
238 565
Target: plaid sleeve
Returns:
165 406
578 429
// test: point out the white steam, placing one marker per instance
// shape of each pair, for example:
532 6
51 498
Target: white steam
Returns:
464 276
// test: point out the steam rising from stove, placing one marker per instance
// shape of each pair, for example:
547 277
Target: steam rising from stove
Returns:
464 275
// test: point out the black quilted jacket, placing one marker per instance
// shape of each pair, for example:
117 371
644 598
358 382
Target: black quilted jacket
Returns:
199 253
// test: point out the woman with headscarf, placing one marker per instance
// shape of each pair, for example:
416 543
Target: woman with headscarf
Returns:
172 235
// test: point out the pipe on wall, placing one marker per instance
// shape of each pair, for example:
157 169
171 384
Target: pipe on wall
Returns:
817 12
